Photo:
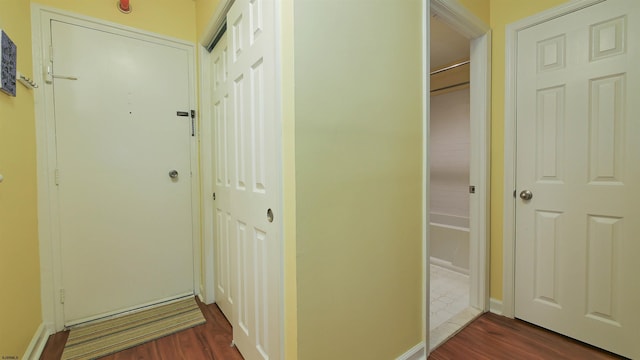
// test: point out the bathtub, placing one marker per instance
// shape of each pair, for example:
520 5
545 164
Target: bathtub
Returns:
449 242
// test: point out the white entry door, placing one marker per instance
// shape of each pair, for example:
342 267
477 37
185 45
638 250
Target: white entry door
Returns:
246 148
578 153
125 223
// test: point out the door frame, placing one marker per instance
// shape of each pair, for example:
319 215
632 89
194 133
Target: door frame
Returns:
214 28
479 35
510 138
48 212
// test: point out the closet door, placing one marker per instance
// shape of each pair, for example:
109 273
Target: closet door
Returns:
222 162
247 179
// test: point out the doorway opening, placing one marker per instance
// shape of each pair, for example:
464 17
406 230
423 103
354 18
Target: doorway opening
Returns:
458 164
449 148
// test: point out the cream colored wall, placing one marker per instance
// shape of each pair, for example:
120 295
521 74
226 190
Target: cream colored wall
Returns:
20 313
358 126
173 18
289 181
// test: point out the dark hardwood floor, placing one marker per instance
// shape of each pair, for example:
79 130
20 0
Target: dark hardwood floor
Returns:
489 337
210 340
496 337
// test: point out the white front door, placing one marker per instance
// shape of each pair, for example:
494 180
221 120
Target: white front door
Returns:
578 153
125 224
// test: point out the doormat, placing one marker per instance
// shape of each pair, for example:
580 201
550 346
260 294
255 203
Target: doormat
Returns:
113 335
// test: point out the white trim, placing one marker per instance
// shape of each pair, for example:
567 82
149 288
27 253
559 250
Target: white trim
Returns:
496 306
426 86
511 43
48 224
37 344
206 149
214 25
480 171
462 20
278 9
415 353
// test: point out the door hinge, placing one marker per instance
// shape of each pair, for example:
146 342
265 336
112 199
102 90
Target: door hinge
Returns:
56 177
193 123
214 196
61 296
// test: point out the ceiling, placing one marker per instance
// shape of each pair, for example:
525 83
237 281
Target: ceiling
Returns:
447 45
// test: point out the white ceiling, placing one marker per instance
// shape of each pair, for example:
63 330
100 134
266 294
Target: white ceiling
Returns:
447 45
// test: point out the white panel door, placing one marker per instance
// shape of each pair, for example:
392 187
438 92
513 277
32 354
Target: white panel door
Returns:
222 163
125 225
253 153
578 152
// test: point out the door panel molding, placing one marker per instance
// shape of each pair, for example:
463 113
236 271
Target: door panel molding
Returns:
48 216
511 41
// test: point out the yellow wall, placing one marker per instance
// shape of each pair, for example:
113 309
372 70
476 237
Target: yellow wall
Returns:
358 130
479 8
19 262
204 11
502 12
173 18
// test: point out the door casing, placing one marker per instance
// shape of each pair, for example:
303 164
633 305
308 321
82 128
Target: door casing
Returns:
509 241
49 238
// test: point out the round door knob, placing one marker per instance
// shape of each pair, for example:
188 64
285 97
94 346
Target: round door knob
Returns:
173 174
526 195
269 215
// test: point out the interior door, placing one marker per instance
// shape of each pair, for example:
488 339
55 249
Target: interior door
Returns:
223 161
125 223
250 218
578 156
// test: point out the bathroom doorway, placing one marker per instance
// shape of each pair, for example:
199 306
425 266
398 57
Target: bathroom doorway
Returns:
450 185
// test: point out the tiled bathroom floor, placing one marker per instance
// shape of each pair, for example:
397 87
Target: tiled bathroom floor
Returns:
449 294
449 308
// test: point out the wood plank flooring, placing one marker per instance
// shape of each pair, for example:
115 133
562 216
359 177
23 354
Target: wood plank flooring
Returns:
209 341
489 337
496 337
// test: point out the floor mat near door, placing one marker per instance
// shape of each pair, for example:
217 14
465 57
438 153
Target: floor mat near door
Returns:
113 335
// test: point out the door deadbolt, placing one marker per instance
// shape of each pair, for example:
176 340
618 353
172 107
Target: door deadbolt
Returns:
526 195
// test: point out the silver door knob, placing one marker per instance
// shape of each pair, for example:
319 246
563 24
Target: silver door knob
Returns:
526 195
173 174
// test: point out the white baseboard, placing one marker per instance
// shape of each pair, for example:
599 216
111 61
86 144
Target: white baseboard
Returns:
39 340
415 353
495 306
